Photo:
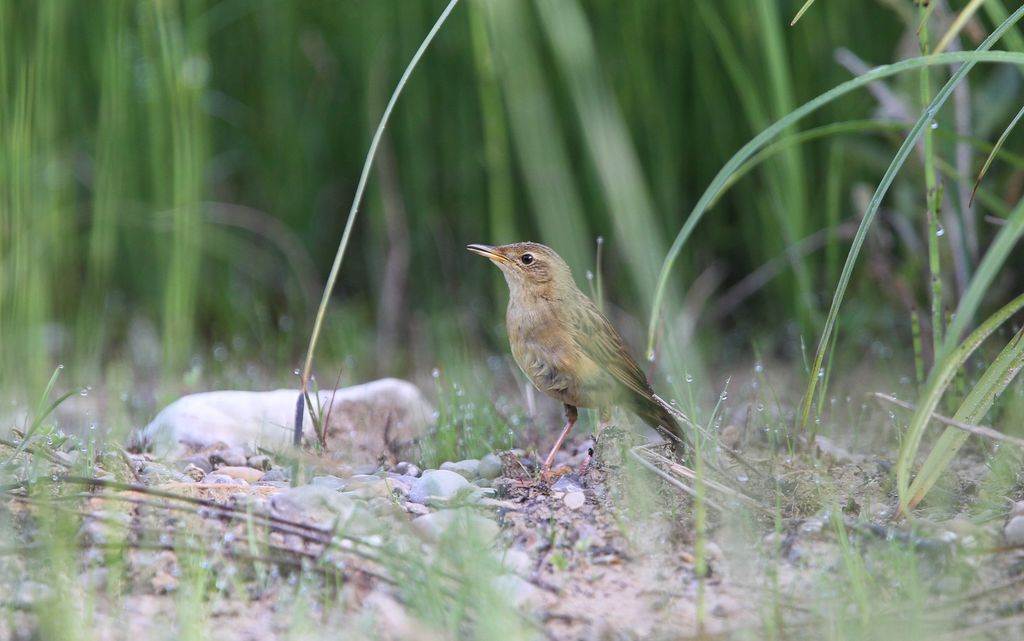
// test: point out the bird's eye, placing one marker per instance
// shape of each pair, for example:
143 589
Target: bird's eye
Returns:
527 259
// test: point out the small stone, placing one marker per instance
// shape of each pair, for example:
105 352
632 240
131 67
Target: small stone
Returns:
568 483
31 593
232 456
490 467
1017 509
223 479
328 481
416 508
313 502
399 487
518 561
378 488
463 521
1014 531
275 475
468 468
812 525
574 500
193 472
437 485
405 468
483 483
259 461
522 593
247 474
199 460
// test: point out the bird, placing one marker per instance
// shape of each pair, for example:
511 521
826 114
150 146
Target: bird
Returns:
566 346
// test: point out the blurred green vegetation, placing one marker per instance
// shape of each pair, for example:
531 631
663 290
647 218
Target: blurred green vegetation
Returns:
174 175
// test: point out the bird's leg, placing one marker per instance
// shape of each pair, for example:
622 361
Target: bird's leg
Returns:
570 420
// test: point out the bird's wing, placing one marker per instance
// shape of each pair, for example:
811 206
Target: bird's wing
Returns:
603 344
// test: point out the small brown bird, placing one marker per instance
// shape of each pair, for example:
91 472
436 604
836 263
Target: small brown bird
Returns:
566 346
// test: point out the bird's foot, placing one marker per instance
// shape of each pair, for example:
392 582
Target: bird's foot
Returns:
548 476
545 479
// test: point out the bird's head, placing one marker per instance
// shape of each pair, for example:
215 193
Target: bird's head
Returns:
529 268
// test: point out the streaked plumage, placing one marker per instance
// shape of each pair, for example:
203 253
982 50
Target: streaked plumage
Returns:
565 345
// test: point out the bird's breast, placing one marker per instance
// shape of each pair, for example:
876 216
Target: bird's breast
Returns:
545 349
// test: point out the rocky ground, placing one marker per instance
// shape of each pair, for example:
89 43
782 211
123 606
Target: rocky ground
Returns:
226 539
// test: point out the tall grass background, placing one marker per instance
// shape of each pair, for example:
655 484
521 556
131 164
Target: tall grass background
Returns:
175 175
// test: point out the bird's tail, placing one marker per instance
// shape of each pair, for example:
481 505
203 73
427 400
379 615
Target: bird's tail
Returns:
654 413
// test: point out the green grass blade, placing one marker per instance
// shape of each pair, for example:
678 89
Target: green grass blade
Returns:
607 139
958 24
979 401
982 280
944 450
715 188
544 155
995 150
360 188
41 411
942 375
876 202
801 12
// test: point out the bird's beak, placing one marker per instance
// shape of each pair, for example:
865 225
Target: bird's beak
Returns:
487 251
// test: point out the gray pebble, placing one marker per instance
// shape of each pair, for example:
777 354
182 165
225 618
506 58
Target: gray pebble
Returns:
1017 509
518 561
406 468
1014 531
31 593
194 472
199 460
232 456
259 461
317 503
328 481
568 483
223 479
490 466
521 592
441 485
468 468
462 521
275 475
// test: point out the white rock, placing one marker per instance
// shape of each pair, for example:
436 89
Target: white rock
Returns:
469 468
574 500
358 416
437 486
